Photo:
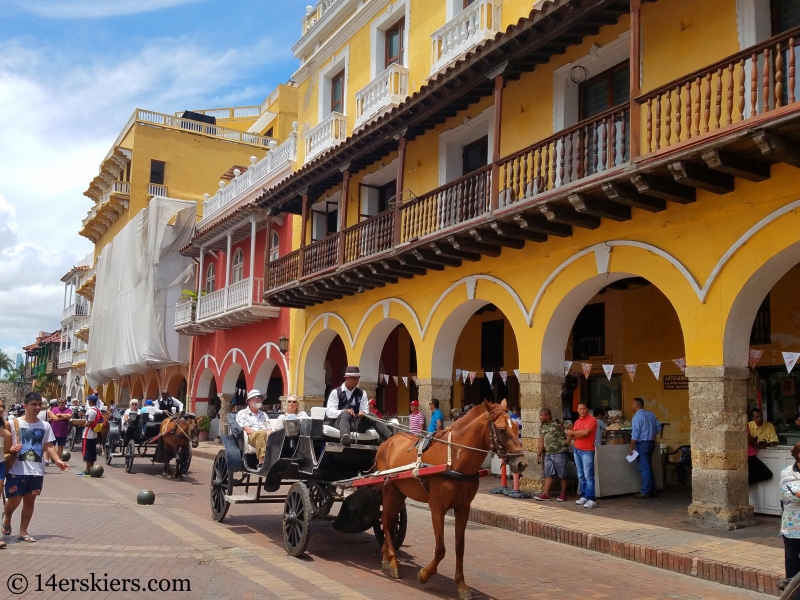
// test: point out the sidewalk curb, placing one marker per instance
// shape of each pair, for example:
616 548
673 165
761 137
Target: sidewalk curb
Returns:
702 568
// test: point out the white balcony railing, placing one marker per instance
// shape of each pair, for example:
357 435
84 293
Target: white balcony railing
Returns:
387 90
76 310
477 23
173 122
332 130
184 310
255 177
65 358
153 189
314 14
241 294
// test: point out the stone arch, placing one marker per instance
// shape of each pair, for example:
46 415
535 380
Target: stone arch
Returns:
137 389
151 389
231 377
204 384
110 393
263 375
314 363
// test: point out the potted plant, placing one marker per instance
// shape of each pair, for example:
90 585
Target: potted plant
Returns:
204 425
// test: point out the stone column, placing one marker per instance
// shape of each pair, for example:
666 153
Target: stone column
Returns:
369 387
536 391
717 407
307 402
224 411
441 389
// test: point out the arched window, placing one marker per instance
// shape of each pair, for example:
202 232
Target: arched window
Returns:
237 270
210 277
274 246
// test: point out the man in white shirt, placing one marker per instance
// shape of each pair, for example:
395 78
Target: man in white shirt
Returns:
92 419
31 439
167 403
255 423
347 409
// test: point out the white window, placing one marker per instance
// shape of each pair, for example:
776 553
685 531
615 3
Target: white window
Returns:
210 277
237 269
389 37
333 85
274 246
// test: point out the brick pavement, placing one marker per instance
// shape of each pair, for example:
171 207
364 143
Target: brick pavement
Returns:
243 557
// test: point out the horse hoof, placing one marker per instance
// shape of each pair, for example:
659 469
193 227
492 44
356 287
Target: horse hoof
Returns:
421 576
385 565
394 572
464 595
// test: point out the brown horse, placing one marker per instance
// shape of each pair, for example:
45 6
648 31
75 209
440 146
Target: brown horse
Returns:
486 427
177 432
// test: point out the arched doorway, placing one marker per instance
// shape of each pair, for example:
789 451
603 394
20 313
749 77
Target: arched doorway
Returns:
177 388
235 384
325 363
152 391
137 390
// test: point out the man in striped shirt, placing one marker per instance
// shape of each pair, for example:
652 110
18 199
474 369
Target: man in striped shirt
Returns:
416 420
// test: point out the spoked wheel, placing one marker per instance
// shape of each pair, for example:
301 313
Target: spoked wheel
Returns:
129 454
399 533
321 500
221 484
297 514
110 446
184 459
71 438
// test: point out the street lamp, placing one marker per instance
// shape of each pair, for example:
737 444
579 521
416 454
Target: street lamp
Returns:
283 344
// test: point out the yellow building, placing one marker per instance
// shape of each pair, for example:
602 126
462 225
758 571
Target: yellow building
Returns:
182 156
498 191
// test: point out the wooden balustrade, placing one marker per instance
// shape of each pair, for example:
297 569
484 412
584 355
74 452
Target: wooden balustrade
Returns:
369 237
283 270
745 85
448 205
591 146
321 255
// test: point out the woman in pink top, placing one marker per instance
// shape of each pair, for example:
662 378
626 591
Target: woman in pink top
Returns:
416 420
60 424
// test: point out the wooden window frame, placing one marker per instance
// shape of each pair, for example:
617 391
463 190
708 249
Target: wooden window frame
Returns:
338 76
608 75
481 141
274 248
399 29
163 164
237 268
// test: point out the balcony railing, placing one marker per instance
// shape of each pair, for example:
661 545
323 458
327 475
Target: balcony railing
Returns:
215 131
331 131
315 14
369 237
65 358
184 312
321 255
283 270
255 177
76 310
236 112
477 23
743 86
592 146
237 295
153 189
387 90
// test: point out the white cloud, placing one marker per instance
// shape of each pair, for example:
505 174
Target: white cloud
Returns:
59 115
92 9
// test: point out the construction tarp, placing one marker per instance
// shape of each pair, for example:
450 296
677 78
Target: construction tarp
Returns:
140 275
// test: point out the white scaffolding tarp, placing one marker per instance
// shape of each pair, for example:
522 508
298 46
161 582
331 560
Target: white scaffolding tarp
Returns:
140 275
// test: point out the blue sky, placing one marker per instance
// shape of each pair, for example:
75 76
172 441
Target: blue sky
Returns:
71 73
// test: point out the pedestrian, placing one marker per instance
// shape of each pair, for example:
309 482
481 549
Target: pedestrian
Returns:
437 418
61 415
518 420
347 409
31 439
3 435
599 414
554 449
645 428
91 421
583 435
790 520
760 434
416 420
255 423
373 408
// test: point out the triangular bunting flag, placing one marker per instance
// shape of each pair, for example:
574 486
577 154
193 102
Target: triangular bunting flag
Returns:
472 376
790 358
567 366
405 381
380 378
655 367
681 364
414 379
631 369
587 368
609 369
755 356
516 373
504 376
458 373
464 375
489 375
396 380
386 378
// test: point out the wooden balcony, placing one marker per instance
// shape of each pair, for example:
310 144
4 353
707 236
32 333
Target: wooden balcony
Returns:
734 118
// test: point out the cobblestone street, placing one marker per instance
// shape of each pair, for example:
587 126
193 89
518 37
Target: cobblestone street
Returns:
86 526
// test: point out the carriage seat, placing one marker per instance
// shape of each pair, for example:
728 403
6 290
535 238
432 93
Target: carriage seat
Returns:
318 412
248 449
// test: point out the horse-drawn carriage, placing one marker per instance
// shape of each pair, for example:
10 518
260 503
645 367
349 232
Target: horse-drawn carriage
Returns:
307 456
145 431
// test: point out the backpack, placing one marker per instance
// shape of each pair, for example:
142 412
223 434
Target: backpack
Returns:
97 426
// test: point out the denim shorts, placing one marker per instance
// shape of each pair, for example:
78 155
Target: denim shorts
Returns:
61 440
22 485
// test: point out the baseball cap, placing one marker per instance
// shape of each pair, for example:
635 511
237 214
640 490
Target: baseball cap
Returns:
372 402
254 394
414 403
148 403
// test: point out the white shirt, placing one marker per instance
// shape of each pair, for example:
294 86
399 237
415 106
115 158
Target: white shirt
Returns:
255 421
30 460
178 403
332 406
128 412
279 425
91 415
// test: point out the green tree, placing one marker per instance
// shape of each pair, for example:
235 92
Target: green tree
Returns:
6 363
15 375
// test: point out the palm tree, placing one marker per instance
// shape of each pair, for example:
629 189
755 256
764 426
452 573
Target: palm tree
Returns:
6 363
15 375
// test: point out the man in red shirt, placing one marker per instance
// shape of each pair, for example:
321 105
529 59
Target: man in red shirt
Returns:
583 435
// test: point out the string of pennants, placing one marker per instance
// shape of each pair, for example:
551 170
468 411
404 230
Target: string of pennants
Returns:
383 377
463 375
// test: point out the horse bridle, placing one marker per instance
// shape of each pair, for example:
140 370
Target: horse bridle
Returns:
495 445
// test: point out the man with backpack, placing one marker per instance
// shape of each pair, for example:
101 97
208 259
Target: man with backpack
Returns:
91 427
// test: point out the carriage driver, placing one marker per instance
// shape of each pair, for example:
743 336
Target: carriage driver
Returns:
167 403
255 423
348 406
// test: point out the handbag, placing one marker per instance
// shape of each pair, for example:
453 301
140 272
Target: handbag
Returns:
10 457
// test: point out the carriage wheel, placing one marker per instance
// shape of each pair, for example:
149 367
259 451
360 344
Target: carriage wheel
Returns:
129 453
297 514
399 533
221 484
184 459
321 500
71 438
109 452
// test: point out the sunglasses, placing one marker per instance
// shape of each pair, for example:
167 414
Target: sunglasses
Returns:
292 402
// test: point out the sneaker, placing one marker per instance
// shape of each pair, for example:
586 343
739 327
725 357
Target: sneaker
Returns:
562 498
581 501
542 497
590 504
83 474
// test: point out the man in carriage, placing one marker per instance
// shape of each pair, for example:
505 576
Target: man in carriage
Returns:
167 403
347 409
255 423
